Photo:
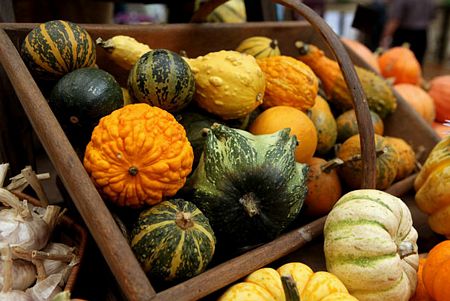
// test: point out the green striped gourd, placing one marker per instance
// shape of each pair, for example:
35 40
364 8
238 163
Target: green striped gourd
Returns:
173 240
163 79
250 187
370 245
56 48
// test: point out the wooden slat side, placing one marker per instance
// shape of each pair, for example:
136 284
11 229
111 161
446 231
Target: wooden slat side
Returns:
110 240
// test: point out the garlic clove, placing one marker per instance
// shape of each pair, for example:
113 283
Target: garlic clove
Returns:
46 289
23 274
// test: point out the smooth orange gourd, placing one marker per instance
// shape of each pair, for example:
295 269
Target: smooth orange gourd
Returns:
289 82
324 186
280 117
436 272
325 124
400 64
360 49
421 293
138 155
440 92
419 100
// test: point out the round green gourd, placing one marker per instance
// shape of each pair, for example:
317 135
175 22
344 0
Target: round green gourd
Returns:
173 240
347 125
56 48
249 187
82 97
163 79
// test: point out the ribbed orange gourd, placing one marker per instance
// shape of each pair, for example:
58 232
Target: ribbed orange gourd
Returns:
401 64
379 95
289 82
137 155
436 272
440 92
421 293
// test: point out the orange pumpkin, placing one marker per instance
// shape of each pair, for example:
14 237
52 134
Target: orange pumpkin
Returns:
436 272
400 64
137 155
441 129
289 82
421 293
280 117
324 187
360 49
418 99
440 92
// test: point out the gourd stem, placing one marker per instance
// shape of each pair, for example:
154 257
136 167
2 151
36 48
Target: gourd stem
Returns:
104 44
377 153
330 165
290 288
302 48
249 201
184 220
133 170
405 249
274 44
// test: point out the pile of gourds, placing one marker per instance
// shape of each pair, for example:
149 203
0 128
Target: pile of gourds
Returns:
223 150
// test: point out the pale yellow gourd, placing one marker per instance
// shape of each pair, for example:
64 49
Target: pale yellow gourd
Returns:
125 51
228 84
259 47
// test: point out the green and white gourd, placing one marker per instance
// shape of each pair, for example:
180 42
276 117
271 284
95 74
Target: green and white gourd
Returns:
173 240
249 187
163 79
370 245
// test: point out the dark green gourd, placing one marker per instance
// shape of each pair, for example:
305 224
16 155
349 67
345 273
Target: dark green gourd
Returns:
173 240
250 187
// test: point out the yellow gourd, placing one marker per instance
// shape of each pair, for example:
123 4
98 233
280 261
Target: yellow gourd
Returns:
228 84
125 51
265 284
259 47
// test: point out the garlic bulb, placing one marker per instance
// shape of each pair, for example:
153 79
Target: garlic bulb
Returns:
15 296
46 289
7 294
23 274
56 266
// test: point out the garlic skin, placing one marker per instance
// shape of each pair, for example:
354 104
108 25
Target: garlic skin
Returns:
23 274
15 296
29 232
46 289
55 266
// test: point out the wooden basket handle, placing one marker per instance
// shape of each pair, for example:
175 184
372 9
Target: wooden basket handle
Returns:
351 78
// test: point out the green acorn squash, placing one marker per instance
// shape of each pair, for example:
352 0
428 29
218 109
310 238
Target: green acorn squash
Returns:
173 240
81 98
56 48
163 79
249 187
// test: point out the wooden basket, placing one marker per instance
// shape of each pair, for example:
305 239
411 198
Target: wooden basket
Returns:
196 39
71 234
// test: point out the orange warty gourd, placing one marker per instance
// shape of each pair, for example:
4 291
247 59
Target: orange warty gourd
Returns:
401 64
419 99
421 293
440 92
289 82
436 272
280 117
137 155
324 186
360 49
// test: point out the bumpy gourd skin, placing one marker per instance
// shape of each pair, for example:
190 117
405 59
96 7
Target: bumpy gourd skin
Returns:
137 155
289 82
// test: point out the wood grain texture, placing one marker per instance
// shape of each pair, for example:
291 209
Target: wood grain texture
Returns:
111 242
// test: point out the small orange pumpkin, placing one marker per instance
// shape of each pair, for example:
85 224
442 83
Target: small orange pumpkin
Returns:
436 272
324 186
421 293
289 82
280 117
360 49
440 92
418 99
137 155
401 64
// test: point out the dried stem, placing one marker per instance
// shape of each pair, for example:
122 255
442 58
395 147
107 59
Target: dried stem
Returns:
24 254
51 216
330 165
32 179
41 274
10 200
3 170
7 269
18 182
357 157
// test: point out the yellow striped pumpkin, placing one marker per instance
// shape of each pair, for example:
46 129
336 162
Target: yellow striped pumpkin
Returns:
56 48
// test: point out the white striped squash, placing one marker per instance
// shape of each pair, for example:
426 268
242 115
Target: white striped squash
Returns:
370 245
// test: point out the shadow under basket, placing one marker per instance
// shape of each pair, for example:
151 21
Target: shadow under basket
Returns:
68 232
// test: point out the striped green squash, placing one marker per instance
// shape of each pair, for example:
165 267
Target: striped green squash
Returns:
250 187
56 48
173 240
371 246
163 79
